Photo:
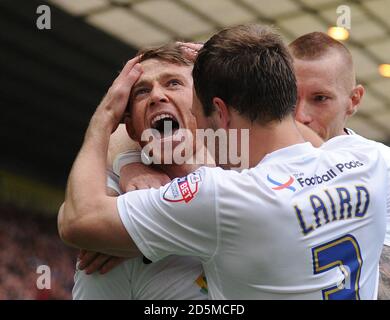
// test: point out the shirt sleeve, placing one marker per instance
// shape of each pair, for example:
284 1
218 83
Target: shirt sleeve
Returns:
179 218
113 181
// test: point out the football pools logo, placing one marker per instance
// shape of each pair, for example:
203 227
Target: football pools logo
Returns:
280 185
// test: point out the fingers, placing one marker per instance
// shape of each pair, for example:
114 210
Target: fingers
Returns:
93 261
144 183
130 187
82 252
155 184
191 45
165 179
159 182
122 85
111 264
117 97
127 77
133 76
137 176
190 50
97 263
87 258
128 67
126 185
190 54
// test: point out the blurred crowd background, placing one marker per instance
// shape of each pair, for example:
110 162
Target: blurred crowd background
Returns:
27 241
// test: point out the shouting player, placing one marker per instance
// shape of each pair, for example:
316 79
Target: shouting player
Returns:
168 80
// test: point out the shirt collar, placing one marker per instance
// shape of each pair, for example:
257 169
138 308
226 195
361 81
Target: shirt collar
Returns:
349 131
341 141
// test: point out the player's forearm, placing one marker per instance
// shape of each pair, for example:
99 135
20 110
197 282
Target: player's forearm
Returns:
89 169
384 278
89 218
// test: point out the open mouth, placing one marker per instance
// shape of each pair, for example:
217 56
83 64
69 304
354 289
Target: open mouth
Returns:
166 124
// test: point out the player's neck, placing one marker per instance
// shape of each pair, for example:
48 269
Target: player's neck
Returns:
266 139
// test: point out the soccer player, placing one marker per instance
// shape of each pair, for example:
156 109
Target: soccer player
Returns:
327 96
134 279
175 277
278 230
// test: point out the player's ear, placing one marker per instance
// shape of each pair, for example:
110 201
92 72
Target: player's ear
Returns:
221 115
356 98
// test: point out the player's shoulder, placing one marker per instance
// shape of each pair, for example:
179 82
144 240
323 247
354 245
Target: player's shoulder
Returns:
353 142
275 166
217 173
382 148
188 187
372 153
212 182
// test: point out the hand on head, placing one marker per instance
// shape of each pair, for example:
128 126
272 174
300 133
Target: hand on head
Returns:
190 49
115 101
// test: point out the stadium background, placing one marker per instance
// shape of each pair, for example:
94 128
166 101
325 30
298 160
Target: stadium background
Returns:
52 80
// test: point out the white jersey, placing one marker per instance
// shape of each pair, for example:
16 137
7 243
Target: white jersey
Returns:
172 278
385 151
301 223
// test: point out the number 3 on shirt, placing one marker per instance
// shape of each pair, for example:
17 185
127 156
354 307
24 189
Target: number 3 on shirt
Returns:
344 253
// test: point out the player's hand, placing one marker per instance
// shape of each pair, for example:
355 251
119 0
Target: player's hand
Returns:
114 103
91 261
137 176
190 49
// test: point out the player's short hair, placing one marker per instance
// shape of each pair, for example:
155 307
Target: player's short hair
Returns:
171 52
250 68
315 45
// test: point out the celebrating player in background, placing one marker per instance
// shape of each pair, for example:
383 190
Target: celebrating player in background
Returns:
327 96
275 231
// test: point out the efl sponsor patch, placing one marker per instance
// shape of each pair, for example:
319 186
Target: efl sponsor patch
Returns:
183 189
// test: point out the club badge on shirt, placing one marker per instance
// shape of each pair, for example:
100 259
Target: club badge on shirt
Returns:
183 189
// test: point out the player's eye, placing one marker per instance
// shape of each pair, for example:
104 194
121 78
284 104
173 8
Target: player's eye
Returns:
173 83
140 91
320 98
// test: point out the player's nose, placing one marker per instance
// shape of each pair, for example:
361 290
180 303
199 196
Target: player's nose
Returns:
157 95
302 113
